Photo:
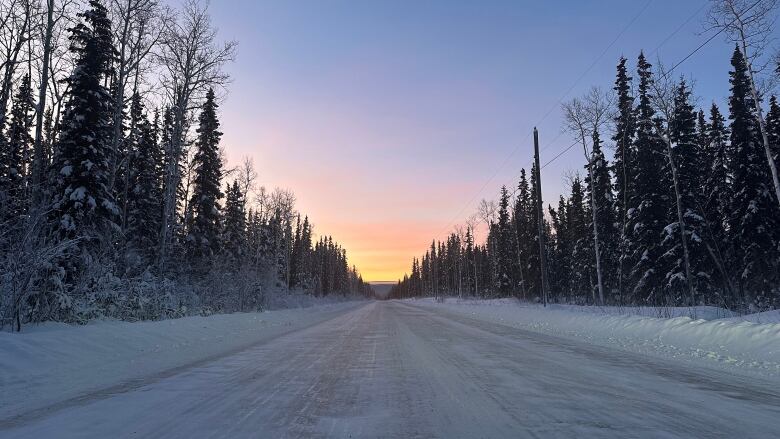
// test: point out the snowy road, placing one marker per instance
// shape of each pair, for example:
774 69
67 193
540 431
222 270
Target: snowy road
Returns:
394 370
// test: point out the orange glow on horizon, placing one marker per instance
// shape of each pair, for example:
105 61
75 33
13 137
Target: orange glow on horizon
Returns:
381 251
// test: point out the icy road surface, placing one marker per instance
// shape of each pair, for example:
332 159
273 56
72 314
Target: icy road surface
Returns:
394 370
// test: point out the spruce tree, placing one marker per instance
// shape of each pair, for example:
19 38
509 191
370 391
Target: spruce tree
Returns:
715 196
688 163
126 148
773 127
561 251
623 166
470 265
83 204
717 184
144 183
523 233
583 260
233 235
607 222
15 154
773 130
434 269
295 253
505 257
47 140
204 223
304 272
625 131
534 260
753 214
649 199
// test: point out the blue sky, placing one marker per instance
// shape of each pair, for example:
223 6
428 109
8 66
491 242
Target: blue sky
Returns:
387 117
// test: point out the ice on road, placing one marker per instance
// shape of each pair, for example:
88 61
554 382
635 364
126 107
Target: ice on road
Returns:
394 370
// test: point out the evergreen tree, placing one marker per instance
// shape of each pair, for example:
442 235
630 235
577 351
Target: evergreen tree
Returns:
523 233
649 199
773 130
469 263
83 203
625 131
234 233
119 181
49 138
304 270
773 126
505 257
689 163
126 148
717 184
753 215
295 253
562 250
172 230
204 224
15 153
623 163
82 221
581 237
607 223
144 183
534 260
715 197
434 267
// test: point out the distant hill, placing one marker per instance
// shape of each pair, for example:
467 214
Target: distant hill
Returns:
382 287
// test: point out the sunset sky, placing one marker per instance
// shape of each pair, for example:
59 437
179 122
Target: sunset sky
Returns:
387 117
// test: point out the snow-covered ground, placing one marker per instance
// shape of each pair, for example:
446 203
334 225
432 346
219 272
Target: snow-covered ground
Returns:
401 370
761 317
52 363
715 337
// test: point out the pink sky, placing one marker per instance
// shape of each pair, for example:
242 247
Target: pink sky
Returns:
387 118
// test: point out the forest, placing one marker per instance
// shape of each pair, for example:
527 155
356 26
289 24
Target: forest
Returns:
116 199
675 205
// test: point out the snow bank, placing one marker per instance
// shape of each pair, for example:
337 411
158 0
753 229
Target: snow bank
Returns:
735 343
761 317
695 312
55 362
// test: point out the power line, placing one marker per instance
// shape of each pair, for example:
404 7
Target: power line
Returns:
655 51
595 61
546 114
665 75
680 27
564 151
550 143
669 72
723 28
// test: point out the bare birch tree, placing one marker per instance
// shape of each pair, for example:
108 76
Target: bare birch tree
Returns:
663 100
749 24
247 177
192 61
55 64
137 26
583 117
16 20
38 154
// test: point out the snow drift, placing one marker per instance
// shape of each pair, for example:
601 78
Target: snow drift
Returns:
55 362
736 343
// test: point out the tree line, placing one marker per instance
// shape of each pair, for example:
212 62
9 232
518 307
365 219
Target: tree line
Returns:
115 199
687 212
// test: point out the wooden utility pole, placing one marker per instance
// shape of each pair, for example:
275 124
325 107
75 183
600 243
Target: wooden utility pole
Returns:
540 216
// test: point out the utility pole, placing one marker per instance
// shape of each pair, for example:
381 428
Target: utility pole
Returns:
540 216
